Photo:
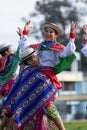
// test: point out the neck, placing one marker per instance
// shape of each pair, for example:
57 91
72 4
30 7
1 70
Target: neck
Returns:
22 66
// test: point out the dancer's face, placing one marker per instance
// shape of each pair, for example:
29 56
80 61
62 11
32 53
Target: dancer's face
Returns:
49 34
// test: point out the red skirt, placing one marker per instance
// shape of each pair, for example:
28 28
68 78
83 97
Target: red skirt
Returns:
49 72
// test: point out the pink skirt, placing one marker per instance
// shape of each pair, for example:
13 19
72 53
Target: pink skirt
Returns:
6 87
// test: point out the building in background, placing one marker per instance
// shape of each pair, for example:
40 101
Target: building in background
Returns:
72 99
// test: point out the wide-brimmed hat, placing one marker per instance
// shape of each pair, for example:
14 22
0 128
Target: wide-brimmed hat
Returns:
4 46
27 53
53 26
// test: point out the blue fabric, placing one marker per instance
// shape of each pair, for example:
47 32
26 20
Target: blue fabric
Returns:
30 93
8 64
9 58
48 44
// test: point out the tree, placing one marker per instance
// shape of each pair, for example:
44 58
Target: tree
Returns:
61 12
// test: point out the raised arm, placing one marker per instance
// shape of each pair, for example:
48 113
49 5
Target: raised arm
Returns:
84 37
70 47
23 33
84 41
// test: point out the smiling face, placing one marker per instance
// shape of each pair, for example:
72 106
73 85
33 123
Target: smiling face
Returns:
49 34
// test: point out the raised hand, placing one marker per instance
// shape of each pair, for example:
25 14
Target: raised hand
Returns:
20 31
84 37
73 27
26 29
27 26
85 28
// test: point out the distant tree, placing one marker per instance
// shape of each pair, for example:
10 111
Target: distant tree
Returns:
61 12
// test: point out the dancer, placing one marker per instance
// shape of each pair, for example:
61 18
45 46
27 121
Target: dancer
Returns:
84 41
54 57
9 69
32 92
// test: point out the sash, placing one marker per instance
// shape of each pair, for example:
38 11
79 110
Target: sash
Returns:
64 64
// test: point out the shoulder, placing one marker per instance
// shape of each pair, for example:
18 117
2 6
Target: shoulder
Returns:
57 47
35 46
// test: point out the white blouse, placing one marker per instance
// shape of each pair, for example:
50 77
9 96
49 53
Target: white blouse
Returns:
51 57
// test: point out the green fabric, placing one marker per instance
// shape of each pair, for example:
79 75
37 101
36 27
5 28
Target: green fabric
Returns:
44 48
13 68
64 64
53 112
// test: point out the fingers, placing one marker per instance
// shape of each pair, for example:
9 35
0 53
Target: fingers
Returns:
20 31
74 24
28 22
73 27
85 28
27 25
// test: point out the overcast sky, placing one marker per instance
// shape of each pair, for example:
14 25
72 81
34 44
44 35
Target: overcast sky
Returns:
11 12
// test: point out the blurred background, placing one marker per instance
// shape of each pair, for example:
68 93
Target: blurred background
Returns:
72 99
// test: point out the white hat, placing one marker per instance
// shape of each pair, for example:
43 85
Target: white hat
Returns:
4 46
53 26
27 53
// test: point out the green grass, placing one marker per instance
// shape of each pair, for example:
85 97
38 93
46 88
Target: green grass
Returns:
76 125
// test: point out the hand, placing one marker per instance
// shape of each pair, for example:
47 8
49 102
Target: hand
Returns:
20 31
85 28
27 26
84 38
73 27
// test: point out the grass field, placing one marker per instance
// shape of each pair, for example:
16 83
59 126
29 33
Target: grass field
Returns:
76 125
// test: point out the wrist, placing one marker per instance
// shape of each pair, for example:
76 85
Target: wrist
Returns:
25 32
72 35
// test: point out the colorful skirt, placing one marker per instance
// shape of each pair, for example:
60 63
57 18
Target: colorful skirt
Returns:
4 90
49 72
